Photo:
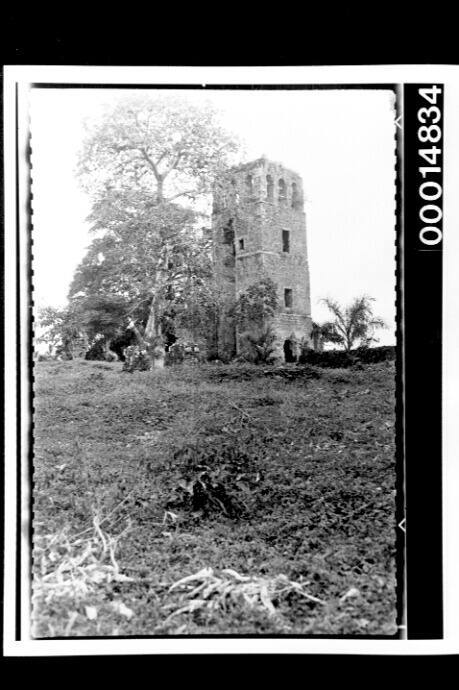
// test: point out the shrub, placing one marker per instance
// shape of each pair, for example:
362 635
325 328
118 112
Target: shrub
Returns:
46 358
136 359
219 477
259 345
339 375
256 304
373 355
97 350
339 359
180 353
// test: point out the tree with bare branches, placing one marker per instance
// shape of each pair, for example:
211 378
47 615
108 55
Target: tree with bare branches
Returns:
149 165
166 146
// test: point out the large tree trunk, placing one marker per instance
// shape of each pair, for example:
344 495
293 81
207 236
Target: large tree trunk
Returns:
153 335
159 189
154 340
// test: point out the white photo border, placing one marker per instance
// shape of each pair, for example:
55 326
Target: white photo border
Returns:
17 81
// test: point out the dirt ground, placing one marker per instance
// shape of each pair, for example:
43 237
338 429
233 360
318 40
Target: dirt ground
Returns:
276 491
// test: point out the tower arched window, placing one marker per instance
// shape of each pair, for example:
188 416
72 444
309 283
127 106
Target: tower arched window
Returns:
282 191
269 188
295 195
249 185
235 193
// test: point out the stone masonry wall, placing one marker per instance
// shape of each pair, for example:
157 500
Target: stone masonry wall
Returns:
259 201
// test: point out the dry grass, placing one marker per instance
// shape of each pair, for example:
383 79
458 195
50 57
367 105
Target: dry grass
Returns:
72 568
206 590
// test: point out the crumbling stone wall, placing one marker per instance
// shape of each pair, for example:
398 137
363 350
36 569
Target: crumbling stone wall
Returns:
259 227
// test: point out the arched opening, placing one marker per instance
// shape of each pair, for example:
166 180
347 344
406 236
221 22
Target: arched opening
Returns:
295 196
289 351
282 191
249 185
269 188
234 191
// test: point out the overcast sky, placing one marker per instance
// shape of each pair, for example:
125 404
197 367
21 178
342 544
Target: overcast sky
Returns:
341 142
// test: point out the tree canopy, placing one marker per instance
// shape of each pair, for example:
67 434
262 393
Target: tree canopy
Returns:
168 147
159 254
144 164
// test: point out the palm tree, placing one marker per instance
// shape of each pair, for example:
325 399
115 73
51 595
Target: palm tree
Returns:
353 324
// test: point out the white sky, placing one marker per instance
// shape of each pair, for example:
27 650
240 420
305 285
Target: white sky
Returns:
342 142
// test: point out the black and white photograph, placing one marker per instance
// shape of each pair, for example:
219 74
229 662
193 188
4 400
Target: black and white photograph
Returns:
214 407
215 336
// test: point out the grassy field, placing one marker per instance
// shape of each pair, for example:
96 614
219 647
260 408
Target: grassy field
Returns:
276 492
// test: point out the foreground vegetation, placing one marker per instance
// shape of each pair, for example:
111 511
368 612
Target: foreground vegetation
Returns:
213 500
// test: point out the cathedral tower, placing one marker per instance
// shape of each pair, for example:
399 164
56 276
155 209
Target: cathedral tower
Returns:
259 229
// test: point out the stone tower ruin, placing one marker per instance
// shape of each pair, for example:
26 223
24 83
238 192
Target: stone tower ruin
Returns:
259 229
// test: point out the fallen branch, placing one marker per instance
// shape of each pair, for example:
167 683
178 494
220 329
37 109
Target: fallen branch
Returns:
206 590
